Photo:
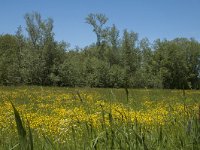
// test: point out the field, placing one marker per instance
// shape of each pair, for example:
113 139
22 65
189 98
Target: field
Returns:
85 118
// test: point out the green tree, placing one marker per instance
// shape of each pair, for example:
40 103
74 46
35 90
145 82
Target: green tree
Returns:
9 61
97 21
43 47
178 62
113 53
130 56
146 75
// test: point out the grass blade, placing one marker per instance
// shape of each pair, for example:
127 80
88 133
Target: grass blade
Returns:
21 130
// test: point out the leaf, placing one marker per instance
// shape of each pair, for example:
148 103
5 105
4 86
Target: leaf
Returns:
21 130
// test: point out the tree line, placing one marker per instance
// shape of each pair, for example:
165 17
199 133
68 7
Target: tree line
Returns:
36 58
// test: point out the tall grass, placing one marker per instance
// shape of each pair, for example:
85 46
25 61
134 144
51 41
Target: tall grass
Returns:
177 133
25 141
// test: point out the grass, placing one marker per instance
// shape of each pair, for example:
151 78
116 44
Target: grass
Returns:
85 118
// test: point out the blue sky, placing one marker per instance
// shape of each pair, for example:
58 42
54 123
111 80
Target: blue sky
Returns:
149 18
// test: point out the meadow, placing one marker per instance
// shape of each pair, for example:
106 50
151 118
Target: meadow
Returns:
94 118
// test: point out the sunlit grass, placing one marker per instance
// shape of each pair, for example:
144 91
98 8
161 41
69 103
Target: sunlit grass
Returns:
101 118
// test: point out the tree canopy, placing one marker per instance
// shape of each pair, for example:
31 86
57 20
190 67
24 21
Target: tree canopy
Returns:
113 61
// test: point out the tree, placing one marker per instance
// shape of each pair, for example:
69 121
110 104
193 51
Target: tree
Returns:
9 63
178 63
131 56
43 47
146 75
113 53
97 21
21 44
39 59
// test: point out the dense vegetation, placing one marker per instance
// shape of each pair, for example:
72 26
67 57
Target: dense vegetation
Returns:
55 118
113 61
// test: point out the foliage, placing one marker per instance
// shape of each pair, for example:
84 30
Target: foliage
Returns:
114 61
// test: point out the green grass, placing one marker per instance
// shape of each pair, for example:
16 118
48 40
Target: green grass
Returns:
180 132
